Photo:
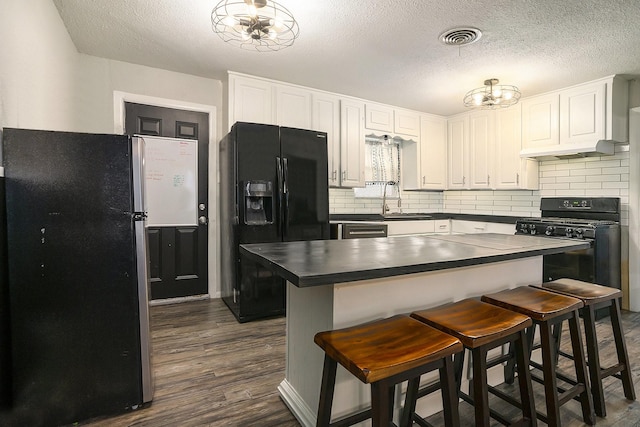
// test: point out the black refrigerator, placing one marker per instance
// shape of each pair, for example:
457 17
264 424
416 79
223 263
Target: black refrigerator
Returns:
77 277
273 188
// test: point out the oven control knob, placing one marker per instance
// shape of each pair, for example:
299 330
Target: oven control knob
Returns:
549 230
568 231
532 229
580 233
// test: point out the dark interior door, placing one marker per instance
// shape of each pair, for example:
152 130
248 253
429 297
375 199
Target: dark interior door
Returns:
178 255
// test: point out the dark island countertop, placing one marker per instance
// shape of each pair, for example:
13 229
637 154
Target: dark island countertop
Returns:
323 262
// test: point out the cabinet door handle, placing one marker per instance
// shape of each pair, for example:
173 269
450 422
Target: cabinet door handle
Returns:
344 175
517 179
463 180
488 180
334 175
423 180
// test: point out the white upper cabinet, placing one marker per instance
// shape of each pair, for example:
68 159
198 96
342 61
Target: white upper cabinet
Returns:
250 100
385 118
595 111
540 121
352 143
293 107
406 122
457 143
423 165
484 151
326 118
379 117
511 171
481 141
586 113
582 113
433 151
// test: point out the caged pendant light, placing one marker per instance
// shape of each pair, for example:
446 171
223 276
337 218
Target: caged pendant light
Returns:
492 96
261 25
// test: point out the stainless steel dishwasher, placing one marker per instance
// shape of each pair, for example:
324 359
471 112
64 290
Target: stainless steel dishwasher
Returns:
358 231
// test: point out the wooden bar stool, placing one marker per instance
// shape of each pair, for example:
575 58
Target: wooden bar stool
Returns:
547 309
384 353
482 327
594 297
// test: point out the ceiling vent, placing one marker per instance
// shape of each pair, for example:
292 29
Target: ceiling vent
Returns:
460 36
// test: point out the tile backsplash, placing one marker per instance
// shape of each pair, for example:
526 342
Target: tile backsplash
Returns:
606 176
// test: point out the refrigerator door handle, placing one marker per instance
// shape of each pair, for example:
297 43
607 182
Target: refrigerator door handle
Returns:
280 193
285 194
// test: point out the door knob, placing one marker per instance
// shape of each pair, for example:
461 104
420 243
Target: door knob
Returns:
202 220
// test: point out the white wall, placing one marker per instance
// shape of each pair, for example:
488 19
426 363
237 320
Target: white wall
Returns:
341 201
46 84
38 67
100 77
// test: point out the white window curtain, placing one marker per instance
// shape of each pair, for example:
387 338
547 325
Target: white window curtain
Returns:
382 164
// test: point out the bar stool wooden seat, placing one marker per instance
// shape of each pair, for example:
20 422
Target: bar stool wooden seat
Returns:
547 309
594 297
384 353
482 327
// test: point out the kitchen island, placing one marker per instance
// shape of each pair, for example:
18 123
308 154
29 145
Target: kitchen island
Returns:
338 283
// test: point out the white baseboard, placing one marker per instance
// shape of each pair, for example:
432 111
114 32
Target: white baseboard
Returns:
296 405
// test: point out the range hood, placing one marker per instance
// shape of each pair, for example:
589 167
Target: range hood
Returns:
570 151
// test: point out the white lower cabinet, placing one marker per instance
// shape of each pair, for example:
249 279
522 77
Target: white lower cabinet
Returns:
471 227
403 228
442 226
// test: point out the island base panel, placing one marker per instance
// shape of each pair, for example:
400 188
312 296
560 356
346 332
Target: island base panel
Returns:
314 309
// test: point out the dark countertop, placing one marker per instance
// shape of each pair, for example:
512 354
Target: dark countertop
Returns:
502 219
322 262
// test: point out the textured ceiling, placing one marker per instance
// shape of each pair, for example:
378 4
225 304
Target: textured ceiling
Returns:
386 51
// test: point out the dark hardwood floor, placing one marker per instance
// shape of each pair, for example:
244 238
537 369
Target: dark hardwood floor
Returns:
212 371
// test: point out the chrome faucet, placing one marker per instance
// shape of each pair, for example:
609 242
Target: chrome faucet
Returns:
385 208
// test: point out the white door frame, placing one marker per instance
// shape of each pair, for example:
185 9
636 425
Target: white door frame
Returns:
634 209
119 98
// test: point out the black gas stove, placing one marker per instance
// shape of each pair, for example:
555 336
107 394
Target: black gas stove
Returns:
596 219
564 227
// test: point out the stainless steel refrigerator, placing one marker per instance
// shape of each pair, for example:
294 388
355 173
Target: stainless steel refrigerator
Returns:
273 188
77 276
